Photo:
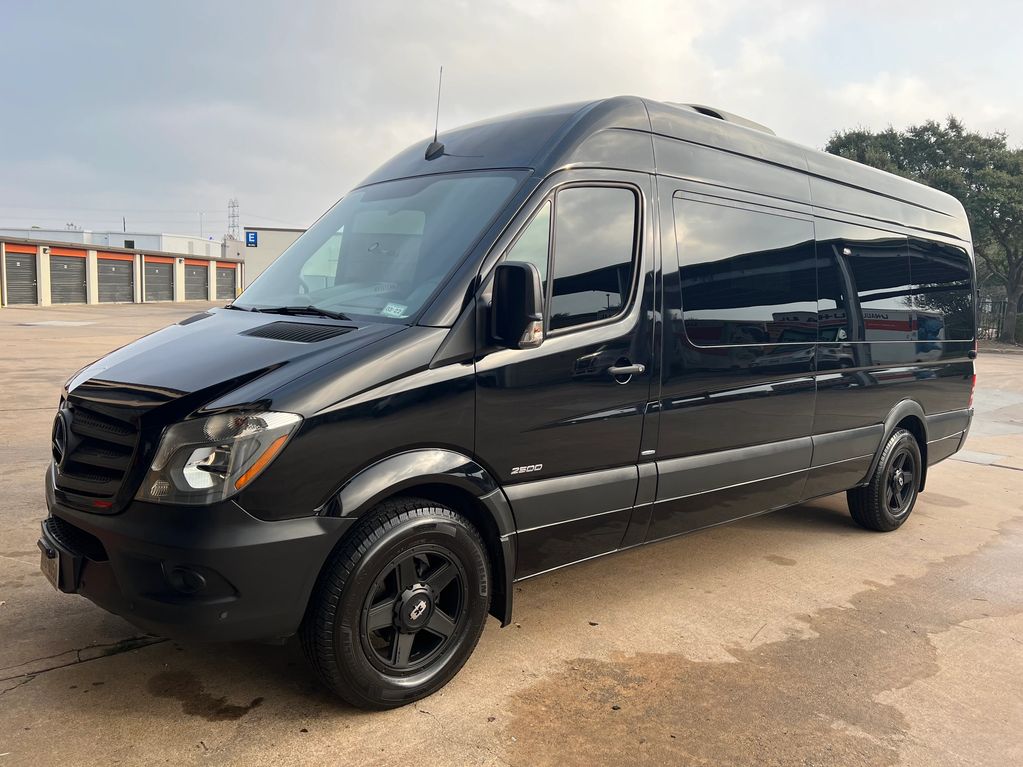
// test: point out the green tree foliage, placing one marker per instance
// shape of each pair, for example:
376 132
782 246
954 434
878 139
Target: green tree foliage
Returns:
983 172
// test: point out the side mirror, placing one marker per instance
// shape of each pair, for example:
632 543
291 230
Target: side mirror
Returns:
516 316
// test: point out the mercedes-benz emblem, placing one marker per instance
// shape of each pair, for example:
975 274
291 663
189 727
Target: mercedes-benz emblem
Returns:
59 438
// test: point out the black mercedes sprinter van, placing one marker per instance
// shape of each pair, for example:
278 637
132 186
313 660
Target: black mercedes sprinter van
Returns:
539 340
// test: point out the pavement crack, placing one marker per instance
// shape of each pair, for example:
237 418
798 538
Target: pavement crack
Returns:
20 562
758 633
18 684
33 660
91 652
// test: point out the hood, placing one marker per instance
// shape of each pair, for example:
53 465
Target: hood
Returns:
220 349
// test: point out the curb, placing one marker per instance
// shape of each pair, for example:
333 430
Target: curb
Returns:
983 350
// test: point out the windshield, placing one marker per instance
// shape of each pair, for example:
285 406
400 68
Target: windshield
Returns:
383 249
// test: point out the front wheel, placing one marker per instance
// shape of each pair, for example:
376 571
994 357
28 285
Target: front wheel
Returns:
400 606
886 501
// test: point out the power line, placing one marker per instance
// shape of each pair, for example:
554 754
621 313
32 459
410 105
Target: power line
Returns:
99 210
67 210
191 218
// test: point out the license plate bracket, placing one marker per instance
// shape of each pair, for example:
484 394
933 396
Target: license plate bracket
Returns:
49 562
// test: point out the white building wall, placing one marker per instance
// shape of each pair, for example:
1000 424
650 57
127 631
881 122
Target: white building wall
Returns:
271 243
165 243
142 240
48 235
233 248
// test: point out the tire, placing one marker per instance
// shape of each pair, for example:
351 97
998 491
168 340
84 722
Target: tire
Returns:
399 606
885 502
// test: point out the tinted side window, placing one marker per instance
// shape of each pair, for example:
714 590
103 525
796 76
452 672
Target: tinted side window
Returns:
533 243
747 277
594 247
942 293
865 289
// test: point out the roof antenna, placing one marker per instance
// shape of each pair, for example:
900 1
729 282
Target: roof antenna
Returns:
436 149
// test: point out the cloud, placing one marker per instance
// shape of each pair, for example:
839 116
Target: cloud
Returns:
162 110
901 99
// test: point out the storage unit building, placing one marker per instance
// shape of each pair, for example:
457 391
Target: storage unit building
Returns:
116 277
49 272
226 281
158 278
22 280
197 280
67 276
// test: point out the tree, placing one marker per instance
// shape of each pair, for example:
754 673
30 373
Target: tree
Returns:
983 172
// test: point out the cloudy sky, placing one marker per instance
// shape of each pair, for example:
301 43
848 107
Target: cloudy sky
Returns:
156 111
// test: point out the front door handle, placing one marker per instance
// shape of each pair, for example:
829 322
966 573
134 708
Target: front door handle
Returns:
626 370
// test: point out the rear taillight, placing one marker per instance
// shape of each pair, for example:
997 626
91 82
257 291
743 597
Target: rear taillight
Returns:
973 376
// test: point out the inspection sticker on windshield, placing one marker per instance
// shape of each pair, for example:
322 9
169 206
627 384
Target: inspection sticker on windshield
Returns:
394 310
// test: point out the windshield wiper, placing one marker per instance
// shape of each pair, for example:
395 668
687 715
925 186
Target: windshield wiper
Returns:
307 309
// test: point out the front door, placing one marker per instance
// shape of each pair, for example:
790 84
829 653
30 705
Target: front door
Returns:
561 425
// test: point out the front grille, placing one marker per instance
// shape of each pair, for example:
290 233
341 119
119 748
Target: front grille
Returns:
98 450
92 424
76 540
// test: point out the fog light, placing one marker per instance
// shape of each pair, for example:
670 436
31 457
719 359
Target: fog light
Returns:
186 581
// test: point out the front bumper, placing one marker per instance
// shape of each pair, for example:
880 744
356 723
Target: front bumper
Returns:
208 573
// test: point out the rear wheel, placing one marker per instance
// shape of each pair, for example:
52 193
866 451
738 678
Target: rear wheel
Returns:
886 501
400 607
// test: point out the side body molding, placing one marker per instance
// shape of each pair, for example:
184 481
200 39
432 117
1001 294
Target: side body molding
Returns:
439 467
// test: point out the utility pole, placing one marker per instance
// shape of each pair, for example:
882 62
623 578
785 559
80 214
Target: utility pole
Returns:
201 236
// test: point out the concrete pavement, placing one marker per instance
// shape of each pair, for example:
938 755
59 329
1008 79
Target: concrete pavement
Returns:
794 638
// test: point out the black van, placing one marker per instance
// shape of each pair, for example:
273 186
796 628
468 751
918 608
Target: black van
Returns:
539 340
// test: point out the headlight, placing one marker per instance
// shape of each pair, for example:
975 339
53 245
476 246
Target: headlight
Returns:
210 459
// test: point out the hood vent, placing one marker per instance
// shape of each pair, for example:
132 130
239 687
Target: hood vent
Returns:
195 318
298 332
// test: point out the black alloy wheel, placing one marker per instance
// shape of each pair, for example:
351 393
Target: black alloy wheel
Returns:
901 480
413 609
400 605
887 499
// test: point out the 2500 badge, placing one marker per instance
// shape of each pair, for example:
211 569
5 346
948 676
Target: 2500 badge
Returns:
527 469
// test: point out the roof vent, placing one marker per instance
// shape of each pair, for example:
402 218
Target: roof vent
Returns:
298 332
727 117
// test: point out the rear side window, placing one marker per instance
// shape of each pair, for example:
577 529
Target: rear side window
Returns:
747 277
880 272
865 292
876 286
594 254
942 292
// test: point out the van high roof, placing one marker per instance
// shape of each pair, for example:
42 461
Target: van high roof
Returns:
686 141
